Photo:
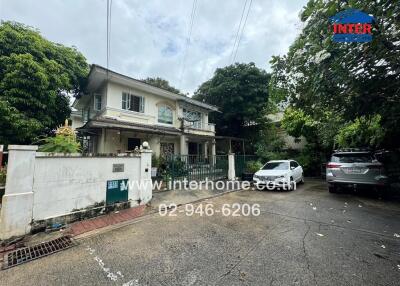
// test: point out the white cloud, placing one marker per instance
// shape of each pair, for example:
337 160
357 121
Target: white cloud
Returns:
148 38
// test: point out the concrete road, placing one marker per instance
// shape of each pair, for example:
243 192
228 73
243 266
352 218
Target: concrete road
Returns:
304 237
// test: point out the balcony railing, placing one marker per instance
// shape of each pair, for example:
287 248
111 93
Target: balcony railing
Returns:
202 127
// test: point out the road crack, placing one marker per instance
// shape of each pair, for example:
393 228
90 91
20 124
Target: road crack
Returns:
305 252
241 258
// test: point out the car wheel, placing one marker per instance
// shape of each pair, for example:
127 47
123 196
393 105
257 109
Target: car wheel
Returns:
332 188
291 184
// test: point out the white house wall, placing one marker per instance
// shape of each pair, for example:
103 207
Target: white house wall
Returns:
151 103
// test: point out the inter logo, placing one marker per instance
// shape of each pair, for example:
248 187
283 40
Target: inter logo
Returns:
352 26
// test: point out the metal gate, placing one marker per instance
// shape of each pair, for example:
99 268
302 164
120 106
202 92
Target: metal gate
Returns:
196 167
241 161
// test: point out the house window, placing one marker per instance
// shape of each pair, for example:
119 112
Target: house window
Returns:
97 102
132 102
165 114
193 118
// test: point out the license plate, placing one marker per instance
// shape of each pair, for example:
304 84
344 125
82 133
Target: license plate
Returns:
354 170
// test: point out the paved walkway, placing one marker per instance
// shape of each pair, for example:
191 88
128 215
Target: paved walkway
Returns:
84 226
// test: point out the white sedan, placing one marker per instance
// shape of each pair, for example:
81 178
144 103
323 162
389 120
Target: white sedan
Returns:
279 174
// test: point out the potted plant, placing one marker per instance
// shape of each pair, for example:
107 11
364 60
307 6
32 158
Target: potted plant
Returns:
250 168
155 162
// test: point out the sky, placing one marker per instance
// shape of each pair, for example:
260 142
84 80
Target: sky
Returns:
151 38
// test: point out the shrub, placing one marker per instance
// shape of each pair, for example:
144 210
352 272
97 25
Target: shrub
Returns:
3 173
63 142
60 144
310 160
155 161
253 166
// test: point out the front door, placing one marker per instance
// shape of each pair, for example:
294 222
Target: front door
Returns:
133 143
192 148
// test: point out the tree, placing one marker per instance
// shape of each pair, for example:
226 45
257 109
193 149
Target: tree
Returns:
241 93
35 77
161 83
365 129
338 84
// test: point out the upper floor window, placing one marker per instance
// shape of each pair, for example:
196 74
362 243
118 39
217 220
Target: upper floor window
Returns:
193 118
165 114
132 102
85 115
97 102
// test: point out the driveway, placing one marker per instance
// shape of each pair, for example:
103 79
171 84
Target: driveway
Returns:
304 237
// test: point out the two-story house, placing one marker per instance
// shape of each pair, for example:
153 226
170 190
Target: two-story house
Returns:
117 113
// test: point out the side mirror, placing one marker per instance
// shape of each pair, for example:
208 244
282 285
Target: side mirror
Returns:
292 168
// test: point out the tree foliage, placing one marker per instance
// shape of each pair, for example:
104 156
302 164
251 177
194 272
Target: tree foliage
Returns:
270 144
161 83
60 144
35 77
364 129
241 93
332 85
63 142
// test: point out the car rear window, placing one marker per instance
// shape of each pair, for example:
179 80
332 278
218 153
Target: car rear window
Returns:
352 158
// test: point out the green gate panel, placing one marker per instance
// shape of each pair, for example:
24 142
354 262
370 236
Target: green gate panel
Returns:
196 167
117 191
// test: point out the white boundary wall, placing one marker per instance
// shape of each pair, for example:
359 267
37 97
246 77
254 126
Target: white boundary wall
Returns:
41 186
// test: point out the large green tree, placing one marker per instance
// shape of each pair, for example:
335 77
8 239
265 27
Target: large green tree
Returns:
335 86
241 93
161 83
36 76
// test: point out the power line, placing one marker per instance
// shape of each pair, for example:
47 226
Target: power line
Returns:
191 22
237 32
236 39
109 33
241 34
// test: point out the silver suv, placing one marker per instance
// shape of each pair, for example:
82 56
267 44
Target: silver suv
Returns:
352 168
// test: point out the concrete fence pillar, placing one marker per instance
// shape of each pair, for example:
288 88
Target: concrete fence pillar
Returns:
231 166
146 186
17 207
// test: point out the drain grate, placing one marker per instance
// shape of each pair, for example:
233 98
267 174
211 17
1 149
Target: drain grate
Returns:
30 253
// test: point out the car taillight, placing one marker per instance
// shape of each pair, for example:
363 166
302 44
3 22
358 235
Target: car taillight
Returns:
332 165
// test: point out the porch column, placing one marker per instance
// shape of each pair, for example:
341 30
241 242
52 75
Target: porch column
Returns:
1 155
231 165
205 149
213 152
183 145
102 145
